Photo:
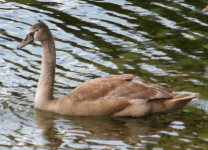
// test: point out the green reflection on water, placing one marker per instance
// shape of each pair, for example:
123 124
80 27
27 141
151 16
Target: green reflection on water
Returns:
159 41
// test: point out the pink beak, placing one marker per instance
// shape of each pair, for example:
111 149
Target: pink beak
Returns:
205 9
28 39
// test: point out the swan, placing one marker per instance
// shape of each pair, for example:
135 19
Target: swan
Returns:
118 95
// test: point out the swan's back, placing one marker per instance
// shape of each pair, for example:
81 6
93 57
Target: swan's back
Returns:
126 86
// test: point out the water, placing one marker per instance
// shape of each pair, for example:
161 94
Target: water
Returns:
164 42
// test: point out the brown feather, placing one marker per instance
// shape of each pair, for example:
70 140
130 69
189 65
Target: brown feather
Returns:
121 95
126 86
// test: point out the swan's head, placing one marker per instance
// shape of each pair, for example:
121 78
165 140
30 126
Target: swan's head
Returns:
37 32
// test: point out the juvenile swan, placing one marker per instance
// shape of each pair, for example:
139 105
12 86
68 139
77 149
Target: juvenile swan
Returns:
119 95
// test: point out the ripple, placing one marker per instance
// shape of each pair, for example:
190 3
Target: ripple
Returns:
160 41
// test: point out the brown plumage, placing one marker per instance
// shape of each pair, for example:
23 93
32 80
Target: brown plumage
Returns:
119 95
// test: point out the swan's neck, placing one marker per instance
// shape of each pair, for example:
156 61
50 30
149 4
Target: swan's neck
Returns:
44 92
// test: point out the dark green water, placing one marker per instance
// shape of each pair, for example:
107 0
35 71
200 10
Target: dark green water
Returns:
165 42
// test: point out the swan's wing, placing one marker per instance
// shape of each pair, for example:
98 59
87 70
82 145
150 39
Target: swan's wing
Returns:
119 86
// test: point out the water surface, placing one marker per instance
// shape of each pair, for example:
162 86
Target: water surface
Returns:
165 42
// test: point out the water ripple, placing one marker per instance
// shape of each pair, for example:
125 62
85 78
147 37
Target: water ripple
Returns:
159 41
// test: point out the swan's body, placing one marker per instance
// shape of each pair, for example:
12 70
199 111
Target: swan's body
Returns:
120 95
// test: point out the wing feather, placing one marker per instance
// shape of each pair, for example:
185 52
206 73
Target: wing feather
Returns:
121 86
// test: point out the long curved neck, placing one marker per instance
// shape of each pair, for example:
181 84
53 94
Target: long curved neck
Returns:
44 92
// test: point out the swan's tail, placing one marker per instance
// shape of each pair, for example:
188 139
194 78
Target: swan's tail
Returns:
178 101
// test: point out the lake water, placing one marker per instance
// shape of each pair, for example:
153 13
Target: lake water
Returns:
165 42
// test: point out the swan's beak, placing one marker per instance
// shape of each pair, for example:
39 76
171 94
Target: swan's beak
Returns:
205 9
28 39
